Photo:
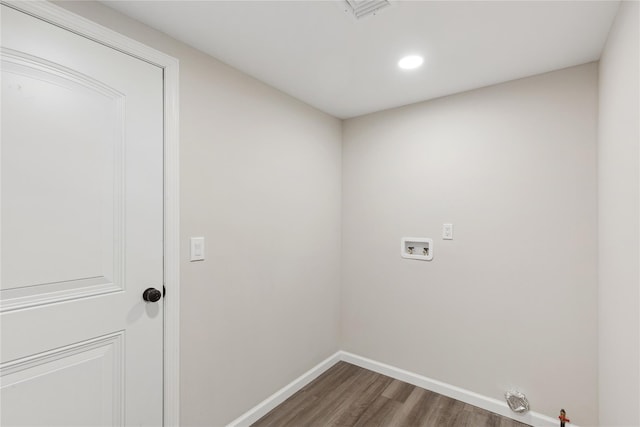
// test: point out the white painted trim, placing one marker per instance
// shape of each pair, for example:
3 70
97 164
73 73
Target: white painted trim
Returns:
171 246
475 399
264 407
86 28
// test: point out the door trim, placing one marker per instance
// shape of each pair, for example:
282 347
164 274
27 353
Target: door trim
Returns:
61 17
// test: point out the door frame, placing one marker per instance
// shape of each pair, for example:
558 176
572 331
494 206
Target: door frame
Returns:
61 17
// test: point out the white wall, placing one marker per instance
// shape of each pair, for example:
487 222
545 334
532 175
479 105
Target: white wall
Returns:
260 180
619 230
511 301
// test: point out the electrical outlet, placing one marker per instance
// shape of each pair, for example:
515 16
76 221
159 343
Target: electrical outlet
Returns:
447 231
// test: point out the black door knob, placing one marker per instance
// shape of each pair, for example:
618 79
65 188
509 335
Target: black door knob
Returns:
151 295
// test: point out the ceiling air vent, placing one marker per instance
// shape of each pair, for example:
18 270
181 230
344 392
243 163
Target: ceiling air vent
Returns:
362 8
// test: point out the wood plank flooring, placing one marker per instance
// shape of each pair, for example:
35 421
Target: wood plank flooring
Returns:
347 395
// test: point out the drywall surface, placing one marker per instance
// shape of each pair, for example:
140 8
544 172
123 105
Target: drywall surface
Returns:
260 180
511 300
619 231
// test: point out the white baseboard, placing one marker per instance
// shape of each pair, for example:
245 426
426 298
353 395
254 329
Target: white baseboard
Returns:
264 407
475 399
466 396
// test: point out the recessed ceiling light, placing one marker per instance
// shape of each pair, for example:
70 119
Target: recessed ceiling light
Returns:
410 62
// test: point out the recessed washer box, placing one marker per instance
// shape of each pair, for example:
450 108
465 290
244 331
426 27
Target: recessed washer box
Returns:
420 248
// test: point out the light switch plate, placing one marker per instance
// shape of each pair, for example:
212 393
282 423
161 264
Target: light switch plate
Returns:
197 249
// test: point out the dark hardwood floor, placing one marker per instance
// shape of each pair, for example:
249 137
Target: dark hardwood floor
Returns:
347 395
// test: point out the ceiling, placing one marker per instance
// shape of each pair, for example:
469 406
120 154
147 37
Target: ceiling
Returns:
318 53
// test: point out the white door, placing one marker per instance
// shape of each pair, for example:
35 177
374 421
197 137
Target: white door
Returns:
82 223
